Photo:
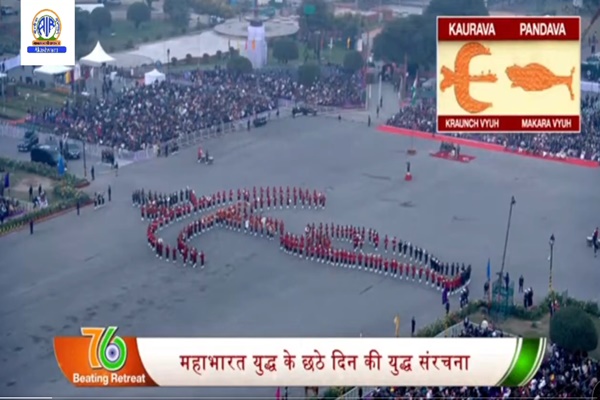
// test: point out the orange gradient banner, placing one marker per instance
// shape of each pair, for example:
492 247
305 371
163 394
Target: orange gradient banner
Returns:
73 357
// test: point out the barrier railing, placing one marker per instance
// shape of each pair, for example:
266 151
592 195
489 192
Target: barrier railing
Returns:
354 393
184 140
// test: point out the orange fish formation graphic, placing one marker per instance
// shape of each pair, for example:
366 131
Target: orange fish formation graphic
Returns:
536 78
461 80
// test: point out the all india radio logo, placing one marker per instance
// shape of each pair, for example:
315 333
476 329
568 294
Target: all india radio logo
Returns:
107 351
46 28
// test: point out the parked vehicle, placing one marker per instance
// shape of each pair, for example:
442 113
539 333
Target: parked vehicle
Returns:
30 140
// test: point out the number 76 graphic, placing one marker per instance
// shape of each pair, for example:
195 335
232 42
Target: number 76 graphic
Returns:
107 350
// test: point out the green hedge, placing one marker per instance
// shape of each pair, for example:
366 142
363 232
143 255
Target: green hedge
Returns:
8 164
65 192
333 393
531 314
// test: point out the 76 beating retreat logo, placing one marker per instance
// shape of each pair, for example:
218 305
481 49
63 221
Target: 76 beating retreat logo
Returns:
107 350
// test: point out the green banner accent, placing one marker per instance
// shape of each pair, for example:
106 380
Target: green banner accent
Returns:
526 364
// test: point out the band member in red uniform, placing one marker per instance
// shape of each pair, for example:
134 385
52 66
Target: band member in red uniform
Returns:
394 267
394 243
420 274
360 260
194 257
386 242
376 241
254 192
184 255
201 259
295 198
427 276
167 252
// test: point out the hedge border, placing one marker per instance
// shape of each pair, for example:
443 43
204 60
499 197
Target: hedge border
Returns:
69 186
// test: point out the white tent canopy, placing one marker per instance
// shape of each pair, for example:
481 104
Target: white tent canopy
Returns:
52 70
97 57
153 76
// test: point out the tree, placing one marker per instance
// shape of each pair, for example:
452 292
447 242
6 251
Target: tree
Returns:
407 37
308 74
315 15
138 13
285 50
414 37
101 18
82 26
572 329
178 12
353 61
347 26
239 65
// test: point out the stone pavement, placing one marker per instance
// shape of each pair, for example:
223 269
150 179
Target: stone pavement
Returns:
96 269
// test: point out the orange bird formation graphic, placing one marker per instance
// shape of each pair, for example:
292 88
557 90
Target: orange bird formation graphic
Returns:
461 80
536 78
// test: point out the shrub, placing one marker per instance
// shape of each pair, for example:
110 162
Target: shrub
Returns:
188 58
572 329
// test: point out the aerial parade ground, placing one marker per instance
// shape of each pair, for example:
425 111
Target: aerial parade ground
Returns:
96 269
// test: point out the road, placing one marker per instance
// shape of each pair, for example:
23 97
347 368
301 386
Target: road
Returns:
96 269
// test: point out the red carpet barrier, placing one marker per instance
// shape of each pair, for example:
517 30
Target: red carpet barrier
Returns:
483 145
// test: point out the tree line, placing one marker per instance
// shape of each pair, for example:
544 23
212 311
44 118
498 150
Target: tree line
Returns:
413 38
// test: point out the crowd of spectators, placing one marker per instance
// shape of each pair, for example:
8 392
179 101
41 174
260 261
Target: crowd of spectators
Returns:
9 208
141 116
585 145
561 375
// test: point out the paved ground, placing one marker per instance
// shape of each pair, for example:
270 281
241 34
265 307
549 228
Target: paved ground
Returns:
96 269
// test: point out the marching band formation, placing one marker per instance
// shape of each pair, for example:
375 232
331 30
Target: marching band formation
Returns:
242 210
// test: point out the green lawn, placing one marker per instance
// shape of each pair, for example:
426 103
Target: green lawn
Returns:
29 98
11 113
123 35
335 56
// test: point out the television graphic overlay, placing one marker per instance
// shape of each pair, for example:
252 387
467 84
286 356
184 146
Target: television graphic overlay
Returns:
47 33
99 357
509 74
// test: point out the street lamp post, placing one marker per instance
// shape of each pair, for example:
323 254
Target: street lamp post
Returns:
168 61
551 242
84 159
512 203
